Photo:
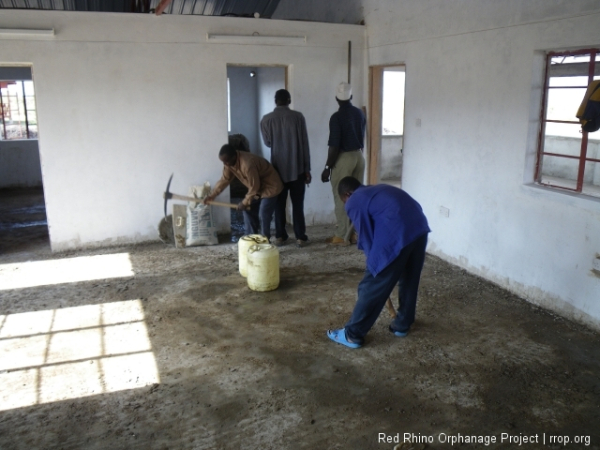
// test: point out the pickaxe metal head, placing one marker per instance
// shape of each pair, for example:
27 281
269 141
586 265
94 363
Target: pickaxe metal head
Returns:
167 195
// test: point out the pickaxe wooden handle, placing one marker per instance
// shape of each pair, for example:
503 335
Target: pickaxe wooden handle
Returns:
228 205
391 308
171 196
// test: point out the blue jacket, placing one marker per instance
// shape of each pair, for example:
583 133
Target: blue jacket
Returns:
386 219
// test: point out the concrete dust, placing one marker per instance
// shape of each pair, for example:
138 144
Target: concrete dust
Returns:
245 370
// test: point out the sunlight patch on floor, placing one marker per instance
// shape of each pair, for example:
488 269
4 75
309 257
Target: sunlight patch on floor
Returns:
68 270
61 354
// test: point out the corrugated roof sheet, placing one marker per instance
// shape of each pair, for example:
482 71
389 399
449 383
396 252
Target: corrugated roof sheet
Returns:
240 8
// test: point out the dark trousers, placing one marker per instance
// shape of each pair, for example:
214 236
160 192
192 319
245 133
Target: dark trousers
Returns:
258 219
373 292
296 189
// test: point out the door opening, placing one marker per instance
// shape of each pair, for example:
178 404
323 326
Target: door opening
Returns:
386 124
251 93
22 205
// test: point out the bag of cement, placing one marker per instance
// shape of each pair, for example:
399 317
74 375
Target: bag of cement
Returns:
200 229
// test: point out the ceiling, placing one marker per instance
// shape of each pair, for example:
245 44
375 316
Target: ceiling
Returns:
235 8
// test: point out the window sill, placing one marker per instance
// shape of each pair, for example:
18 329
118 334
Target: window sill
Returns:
569 198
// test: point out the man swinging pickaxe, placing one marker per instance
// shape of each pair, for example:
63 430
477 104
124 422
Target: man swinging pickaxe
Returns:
170 196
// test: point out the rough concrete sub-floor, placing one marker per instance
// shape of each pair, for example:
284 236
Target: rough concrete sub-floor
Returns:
218 366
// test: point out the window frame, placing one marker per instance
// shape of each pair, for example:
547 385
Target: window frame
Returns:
582 158
26 111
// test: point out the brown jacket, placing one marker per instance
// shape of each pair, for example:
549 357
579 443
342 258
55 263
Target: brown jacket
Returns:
256 173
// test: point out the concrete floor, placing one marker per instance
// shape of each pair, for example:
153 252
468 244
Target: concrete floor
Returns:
159 348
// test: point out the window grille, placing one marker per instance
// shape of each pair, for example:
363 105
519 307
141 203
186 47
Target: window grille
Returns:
567 157
17 110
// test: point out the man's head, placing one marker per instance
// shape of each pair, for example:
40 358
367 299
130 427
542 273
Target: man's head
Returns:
347 187
282 98
228 155
343 92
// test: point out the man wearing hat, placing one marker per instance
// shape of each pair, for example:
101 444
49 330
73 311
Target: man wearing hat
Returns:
284 132
344 158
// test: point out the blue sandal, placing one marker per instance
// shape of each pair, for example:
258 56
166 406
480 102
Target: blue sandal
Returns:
398 333
339 336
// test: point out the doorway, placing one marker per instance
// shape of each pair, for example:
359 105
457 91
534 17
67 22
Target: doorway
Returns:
386 124
22 205
250 95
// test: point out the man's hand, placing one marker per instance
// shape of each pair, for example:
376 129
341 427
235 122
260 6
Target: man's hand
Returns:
207 199
332 157
241 206
308 178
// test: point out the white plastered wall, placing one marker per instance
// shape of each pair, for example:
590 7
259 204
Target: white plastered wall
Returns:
474 72
124 100
20 164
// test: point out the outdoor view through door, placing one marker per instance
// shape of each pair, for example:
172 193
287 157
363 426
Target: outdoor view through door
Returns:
386 124
251 95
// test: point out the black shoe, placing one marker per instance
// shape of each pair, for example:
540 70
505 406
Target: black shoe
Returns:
301 243
278 242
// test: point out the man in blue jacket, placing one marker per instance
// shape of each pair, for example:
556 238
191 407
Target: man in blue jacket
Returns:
392 231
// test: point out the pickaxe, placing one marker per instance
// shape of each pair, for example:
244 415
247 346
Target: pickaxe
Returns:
389 303
170 196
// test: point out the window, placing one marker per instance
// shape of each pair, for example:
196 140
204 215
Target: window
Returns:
17 110
567 157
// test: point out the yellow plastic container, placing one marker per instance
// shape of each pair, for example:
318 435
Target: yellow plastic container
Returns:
244 244
263 267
